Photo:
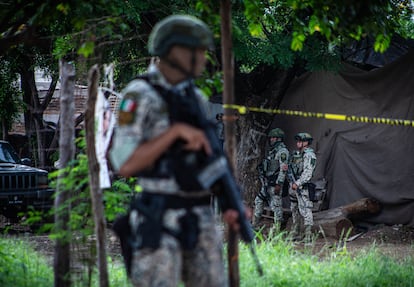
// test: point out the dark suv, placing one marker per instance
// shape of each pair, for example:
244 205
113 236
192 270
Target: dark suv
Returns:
21 185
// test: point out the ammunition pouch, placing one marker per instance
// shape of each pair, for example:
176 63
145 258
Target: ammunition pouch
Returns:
311 187
140 227
189 230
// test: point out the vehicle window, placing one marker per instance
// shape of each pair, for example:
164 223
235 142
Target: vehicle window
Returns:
7 154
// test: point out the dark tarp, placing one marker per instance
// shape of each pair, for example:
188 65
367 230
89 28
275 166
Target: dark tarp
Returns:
360 159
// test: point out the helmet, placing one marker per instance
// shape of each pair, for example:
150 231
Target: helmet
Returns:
179 30
276 133
304 137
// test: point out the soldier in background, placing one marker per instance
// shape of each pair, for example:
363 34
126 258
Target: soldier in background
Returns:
220 128
272 172
300 172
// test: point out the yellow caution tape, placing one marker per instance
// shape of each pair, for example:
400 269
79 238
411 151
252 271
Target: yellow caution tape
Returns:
138 188
328 116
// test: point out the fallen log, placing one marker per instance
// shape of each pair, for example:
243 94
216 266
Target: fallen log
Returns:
338 222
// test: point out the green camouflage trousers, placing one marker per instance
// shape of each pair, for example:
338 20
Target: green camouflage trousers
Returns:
275 204
169 265
301 205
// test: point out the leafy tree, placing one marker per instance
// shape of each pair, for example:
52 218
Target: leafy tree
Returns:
34 34
9 97
273 42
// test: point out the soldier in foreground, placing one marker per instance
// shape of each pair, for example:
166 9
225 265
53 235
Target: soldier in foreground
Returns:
272 172
172 236
301 168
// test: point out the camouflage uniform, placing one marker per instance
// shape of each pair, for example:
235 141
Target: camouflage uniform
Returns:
273 171
143 114
302 166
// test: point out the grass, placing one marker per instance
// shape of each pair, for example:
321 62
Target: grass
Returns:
20 266
283 264
286 266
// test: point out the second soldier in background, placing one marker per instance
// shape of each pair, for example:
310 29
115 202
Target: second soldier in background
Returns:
272 172
301 167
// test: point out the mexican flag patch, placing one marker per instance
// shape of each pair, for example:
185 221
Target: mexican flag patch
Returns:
127 111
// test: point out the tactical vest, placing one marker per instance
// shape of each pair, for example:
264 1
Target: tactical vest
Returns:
271 164
183 165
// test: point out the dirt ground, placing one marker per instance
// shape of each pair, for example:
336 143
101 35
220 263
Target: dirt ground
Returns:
396 241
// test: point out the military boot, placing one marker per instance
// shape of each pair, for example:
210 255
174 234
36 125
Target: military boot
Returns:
308 235
276 227
255 223
295 232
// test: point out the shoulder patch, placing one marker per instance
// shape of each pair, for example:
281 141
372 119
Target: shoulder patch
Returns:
283 157
127 109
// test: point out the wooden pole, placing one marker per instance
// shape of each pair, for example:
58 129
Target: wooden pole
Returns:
66 154
96 191
229 123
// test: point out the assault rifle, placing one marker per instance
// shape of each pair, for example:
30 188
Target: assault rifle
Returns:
196 170
290 174
292 179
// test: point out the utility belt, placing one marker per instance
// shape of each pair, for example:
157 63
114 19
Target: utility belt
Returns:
142 226
172 201
311 187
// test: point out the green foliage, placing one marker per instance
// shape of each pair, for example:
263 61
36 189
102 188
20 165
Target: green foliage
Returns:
211 84
10 94
286 32
20 266
117 198
75 178
63 46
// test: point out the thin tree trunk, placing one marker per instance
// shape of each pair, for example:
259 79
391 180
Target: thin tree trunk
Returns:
67 153
96 191
228 98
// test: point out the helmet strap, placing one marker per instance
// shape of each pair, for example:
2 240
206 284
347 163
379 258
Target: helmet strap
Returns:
193 61
174 65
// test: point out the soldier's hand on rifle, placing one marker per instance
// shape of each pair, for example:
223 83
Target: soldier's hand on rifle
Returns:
231 217
294 186
195 139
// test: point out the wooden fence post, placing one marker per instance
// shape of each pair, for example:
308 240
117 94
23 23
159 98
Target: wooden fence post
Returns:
66 154
96 191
